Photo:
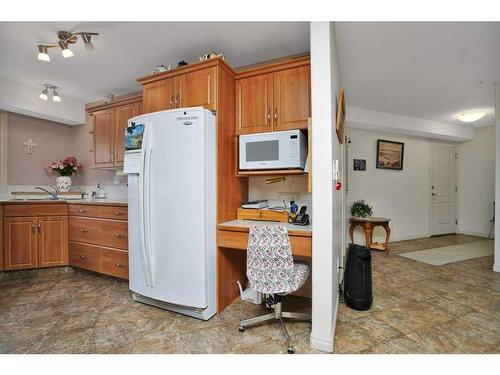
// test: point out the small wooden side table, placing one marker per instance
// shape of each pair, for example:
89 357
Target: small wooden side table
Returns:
368 224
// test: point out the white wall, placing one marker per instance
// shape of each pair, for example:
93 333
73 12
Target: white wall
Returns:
476 181
327 213
402 196
496 266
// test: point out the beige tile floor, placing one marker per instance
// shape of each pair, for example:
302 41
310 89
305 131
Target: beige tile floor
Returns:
417 308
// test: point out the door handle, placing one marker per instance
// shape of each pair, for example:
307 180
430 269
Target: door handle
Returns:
171 101
177 100
269 117
39 227
33 226
276 116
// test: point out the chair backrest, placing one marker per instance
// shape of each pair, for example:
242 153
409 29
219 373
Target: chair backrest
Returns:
270 266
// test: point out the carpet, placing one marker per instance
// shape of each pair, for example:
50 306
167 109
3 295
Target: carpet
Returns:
452 254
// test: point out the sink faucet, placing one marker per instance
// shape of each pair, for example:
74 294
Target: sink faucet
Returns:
52 193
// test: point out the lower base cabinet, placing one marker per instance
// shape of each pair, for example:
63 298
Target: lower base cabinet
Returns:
85 256
114 263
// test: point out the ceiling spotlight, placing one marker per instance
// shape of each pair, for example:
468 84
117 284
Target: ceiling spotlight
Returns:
65 38
66 52
44 95
42 53
471 116
87 42
55 96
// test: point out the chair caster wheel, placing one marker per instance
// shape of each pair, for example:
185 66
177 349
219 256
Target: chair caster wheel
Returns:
291 350
241 329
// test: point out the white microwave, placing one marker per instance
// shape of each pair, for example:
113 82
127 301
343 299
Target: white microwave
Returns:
274 150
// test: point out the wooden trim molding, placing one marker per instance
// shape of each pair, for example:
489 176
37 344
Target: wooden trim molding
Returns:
119 101
4 120
273 65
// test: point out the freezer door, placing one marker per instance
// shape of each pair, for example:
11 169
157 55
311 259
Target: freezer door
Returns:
176 218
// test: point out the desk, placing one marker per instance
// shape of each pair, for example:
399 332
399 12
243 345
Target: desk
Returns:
232 242
368 223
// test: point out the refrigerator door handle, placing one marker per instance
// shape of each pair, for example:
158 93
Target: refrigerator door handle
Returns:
144 209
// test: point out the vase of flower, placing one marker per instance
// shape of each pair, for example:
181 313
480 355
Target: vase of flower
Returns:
63 183
64 169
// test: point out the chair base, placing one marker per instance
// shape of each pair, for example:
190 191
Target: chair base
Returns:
276 315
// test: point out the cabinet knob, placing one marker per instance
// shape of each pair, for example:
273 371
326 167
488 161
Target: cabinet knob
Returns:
82 257
83 230
82 211
117 213
118 235
120 265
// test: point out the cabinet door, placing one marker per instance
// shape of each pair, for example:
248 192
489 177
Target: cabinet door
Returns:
20 243
103 137
52 241
197 89
122 115
158 96
292 98
254 104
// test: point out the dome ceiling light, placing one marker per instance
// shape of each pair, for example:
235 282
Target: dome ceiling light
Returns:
66 38
471 116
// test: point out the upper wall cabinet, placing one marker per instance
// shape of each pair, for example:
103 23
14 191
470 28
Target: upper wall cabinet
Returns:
192 88
274 97
108 127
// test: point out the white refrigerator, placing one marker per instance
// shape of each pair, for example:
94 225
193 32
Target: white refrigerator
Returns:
170 160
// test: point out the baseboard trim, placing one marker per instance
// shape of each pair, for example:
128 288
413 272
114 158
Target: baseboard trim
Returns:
325 344
469 233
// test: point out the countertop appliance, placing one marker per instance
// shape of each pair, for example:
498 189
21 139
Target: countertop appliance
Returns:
273 150
170 159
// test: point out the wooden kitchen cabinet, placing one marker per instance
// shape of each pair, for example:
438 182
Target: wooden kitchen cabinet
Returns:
34 242
109 122
254 104
52 241
159 96
196 89
103 137
274 97
20 243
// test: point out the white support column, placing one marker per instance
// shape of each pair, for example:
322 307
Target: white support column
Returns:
327 228
496 265
3 151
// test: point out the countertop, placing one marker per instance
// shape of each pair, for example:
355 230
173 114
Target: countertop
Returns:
244 225
100 202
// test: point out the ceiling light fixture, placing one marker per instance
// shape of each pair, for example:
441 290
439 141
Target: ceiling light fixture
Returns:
471 116
42 53
45 93
65 39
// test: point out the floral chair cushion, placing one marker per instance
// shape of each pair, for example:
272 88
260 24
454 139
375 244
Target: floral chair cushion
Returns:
270 266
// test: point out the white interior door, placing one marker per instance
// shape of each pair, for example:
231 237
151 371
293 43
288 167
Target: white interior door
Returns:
443 188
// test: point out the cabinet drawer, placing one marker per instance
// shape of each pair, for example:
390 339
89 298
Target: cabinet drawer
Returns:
85 256
37 209
114 234
114 212
114 263
84 210
85 230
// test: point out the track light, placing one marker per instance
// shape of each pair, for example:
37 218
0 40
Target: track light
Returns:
66 52
55 96
42 53
65 39
44 95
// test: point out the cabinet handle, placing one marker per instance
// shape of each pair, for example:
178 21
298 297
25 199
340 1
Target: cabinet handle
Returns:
120 265
177 99
171 101
276 116
83 230
118 213
118 235
110 157
33 226
39 227
82 257
82 211
269 117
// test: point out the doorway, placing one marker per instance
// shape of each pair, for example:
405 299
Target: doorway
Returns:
443 192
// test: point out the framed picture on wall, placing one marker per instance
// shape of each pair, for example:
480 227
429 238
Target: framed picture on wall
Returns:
390 155
359 164
340 117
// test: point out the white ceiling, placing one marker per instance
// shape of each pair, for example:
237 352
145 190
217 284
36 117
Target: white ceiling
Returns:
421 69
125 51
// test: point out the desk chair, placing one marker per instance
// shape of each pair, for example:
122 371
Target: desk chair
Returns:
272 271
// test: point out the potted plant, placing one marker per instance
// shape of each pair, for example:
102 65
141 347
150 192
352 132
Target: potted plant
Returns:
64 169
361 209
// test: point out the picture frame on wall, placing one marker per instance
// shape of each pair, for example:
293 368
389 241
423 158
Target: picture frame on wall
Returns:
340 117
390 155
359 164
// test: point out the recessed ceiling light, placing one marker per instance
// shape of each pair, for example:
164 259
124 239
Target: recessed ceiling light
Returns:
471 116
